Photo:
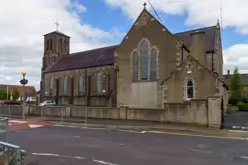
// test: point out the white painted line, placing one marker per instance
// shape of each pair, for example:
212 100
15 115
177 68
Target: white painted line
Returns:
18 121
76 136
208 152
34 126
57 155
244 157
103 162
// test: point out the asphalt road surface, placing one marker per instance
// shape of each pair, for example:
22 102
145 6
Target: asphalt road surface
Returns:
71 146
236 120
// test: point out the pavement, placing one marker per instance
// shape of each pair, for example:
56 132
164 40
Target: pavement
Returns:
52 145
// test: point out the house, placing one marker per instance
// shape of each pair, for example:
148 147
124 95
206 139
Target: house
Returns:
149 68
28 91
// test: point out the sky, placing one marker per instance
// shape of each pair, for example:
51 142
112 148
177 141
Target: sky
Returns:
97 23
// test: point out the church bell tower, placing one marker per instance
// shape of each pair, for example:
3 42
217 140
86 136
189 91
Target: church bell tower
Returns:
56 45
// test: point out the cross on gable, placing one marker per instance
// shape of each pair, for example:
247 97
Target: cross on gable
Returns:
57 25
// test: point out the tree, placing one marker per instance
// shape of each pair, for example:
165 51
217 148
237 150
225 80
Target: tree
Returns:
3 95
16 94
236 86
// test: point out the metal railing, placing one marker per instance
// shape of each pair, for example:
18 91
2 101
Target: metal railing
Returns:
10 154
4 125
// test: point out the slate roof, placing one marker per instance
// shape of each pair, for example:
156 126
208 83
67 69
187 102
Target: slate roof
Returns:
29 90
244 79
210 37
104 56
86 59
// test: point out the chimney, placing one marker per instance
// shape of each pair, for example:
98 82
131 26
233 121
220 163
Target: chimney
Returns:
198 46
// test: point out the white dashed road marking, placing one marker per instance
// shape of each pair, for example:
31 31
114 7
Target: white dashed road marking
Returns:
207 152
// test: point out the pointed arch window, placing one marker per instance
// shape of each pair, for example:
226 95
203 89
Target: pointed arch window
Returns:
47 44
135 66
51 44
99 83
51 86
60 45
190 90
153 71
144 60
82 83
65 85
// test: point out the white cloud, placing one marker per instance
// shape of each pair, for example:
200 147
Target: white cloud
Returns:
236 55
23 24
201 13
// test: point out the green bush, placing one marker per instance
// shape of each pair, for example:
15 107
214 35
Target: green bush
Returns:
242 106
232 101
244 100
236 108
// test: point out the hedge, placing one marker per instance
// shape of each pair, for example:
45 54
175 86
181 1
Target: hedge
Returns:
242 106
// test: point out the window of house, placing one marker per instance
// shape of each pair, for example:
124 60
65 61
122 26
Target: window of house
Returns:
135 66
81 84
153 71
99 83
144 60
51 86
65 85
190 90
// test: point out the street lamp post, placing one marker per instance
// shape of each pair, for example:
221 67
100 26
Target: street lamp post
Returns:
23 81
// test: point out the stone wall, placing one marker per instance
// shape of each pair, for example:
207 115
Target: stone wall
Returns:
197 112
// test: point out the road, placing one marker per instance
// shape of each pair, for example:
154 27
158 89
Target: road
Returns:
62 146
236 120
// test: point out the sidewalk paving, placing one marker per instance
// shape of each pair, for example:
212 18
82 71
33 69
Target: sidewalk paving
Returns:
143 126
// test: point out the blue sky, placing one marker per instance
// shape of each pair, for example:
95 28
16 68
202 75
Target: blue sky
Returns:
101 15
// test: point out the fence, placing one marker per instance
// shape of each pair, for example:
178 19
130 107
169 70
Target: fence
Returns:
4 125
10 154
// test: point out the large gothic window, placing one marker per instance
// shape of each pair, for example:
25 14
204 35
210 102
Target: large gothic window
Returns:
99 83
135 66
144 60
190 90
81 83
153 71
65 85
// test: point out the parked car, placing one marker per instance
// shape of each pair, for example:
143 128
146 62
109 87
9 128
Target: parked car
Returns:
48 103
9 102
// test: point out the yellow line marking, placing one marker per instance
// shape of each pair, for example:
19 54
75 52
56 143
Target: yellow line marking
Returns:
204 136
237 131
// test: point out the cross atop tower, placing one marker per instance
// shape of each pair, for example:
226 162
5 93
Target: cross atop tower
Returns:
57 25
144 4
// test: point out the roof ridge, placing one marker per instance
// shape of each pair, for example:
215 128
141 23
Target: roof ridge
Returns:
206 27
90 50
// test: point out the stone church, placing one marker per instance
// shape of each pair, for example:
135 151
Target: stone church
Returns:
150 68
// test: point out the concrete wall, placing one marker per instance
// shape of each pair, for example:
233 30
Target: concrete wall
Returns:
194 112
198 112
